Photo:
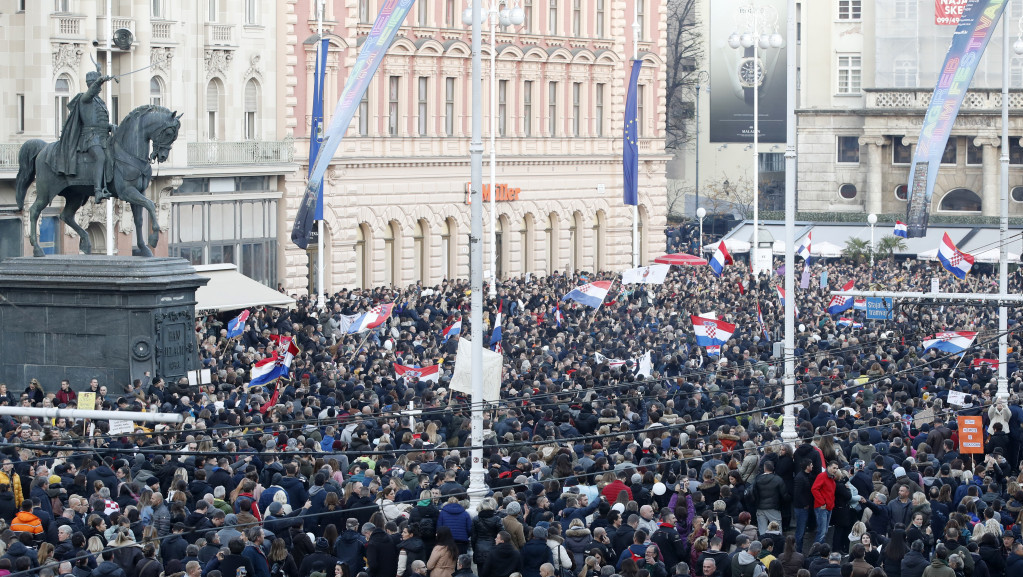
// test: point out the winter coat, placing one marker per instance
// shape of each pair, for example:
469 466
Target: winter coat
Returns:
350 548
534 554
128 558
108 569
770 491
161 519
938 568
485 528
410 550
502 561
26 522
913 564
577 541
441 564
455 517
381 555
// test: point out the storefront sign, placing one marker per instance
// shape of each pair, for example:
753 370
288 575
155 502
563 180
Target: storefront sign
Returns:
971 435
504 193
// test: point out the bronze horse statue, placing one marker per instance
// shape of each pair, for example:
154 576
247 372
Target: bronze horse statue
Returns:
131 175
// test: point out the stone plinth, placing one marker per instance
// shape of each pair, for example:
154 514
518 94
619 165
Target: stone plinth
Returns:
106 317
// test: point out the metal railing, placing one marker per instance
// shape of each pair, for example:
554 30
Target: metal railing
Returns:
243 152
9 155
162 30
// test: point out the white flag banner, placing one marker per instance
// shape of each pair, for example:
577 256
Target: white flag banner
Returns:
461 380
653 274
646 365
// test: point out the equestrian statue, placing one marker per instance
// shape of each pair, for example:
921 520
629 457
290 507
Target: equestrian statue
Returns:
96 160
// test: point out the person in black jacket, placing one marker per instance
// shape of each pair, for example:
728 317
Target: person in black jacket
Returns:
802 500
668 540
485 528
769 490
350 547
173 547
381 554
320 560
503 560
914 563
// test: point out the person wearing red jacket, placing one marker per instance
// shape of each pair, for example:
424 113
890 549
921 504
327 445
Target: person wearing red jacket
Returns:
823 490
66 396
612 489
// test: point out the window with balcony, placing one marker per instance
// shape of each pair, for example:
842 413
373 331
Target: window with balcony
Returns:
62 6
422 105
158 10
849 9
552 109
213 11
61 98
527 108
393 84
599 120
552 17
449 106
502 107
213 110
576 104
849 73
156 91
251 110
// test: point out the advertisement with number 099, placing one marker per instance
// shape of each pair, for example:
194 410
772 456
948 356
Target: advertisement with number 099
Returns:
747 59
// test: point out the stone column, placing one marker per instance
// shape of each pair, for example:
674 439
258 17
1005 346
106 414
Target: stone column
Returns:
991 193
875 182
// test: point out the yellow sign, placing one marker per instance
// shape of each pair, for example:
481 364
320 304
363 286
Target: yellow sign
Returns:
87 401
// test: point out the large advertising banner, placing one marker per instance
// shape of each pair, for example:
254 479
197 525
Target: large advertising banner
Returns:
735 72
971 38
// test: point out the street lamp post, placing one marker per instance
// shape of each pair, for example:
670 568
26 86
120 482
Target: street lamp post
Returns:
700 213
753 37
507 17
872 220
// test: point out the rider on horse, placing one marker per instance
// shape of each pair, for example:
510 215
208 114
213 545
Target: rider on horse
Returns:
86 130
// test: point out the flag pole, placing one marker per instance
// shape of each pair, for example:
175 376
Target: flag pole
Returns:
320 301
358 348
635 207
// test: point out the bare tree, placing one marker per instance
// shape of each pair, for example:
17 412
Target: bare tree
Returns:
677 192
685 51
729 195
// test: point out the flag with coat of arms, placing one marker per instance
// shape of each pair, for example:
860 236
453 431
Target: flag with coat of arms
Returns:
711 332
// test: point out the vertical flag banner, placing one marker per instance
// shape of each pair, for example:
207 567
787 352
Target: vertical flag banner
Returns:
964 53
316 128
630 141
373 50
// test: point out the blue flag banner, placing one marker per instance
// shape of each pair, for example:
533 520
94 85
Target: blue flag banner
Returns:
964 53
373 50
630 140
316 128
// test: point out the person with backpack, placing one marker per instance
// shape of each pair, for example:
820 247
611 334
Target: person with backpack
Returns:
636 551
668 541
282 562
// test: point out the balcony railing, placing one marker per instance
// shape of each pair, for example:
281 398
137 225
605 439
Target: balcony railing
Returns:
118 22
220 35
162 30
244 152
9 155
898 98
67 26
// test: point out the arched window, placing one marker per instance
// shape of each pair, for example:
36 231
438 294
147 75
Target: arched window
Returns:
577 242
213 109
392 252
421 249
598 241
961 200
62 95
251 109
448 247
363 257
156 91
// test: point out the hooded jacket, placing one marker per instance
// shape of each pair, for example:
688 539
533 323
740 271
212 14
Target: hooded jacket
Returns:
108 569
502 561
381 555
746 565
938 568
350 548
455 517
485 528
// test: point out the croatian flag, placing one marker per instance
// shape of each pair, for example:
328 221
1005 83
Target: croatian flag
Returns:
860 303
839 303
591 295
956 261
372 319
431 374
763 327
237 325
558 317
453 330
711 332
848 322
781 295
950 342
276 365
720 259
495 335
900 229
993 363
713 350
804 249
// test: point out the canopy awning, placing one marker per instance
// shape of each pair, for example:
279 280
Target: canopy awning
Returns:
680 259
229 290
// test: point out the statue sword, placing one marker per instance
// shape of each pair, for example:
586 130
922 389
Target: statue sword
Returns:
117 78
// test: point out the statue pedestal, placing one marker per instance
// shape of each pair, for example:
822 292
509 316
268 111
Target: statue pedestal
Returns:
106 317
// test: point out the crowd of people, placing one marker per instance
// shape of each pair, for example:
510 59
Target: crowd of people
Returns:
591 469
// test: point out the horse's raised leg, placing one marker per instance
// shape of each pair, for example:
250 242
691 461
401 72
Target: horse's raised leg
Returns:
141 249
67 215
139 200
